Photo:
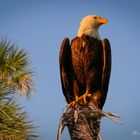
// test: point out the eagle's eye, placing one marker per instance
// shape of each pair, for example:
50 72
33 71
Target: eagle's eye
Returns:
95 18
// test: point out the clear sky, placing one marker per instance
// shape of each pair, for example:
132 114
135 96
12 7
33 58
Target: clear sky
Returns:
39 27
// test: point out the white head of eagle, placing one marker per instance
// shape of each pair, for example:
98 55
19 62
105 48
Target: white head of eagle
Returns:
90 25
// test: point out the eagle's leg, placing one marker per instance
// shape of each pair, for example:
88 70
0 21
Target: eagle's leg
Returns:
84 97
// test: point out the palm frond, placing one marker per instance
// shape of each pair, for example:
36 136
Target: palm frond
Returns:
13 123
14 68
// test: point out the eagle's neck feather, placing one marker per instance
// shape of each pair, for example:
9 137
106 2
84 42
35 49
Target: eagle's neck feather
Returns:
89 31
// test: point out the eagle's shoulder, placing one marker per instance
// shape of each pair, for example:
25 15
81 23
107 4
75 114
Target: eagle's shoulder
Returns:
75 39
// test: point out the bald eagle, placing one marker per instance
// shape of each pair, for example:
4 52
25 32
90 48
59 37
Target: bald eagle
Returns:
85 64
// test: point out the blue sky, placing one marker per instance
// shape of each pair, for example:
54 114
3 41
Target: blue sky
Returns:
39 27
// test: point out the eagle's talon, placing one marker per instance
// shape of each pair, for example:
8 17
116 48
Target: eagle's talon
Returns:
82 100
84 97
71 105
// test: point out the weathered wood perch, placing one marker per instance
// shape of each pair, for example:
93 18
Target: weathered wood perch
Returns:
83 122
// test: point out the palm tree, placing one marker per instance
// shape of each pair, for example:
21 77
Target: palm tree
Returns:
15 77
14 68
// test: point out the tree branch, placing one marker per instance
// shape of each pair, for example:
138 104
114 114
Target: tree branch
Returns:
83 122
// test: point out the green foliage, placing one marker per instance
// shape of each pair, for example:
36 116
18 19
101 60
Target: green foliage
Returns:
14 68
15 76
13 121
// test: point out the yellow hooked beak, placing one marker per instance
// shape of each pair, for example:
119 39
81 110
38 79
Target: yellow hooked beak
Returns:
102 21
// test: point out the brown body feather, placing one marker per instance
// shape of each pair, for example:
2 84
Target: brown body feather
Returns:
85 66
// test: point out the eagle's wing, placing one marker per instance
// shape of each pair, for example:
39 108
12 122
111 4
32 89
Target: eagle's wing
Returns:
66 70
106 68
